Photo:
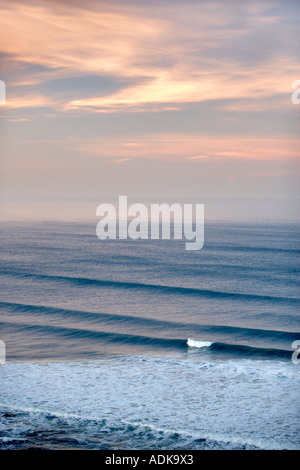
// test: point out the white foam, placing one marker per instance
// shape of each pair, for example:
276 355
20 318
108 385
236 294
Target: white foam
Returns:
266 444
198 344
236 401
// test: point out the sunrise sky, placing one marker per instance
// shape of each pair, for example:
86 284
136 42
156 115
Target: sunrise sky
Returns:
161 98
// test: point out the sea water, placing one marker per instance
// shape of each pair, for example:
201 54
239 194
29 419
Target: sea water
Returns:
140 344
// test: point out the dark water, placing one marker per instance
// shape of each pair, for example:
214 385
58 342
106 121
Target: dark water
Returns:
143 345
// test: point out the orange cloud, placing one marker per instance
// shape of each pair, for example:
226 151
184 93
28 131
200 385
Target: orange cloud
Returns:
121 160
169 66
181 85
74 39
27 101
190 147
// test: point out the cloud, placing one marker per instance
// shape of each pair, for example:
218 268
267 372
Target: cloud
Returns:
121 160
159 59
27 101
183 147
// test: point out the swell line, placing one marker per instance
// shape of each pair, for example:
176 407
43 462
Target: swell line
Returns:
79 333
152 322
239 350
160 288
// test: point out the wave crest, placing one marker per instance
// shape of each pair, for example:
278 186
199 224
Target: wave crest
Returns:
198 344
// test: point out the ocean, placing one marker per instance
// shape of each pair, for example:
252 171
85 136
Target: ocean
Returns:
123 344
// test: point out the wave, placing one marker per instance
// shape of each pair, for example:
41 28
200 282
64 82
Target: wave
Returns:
111 318
37 417
147 341
91 335
217 437
245 249
198 344
239 349
159 288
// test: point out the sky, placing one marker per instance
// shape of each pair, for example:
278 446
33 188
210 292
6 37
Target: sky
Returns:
181 99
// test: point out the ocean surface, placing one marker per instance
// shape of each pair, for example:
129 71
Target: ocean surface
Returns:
123 344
